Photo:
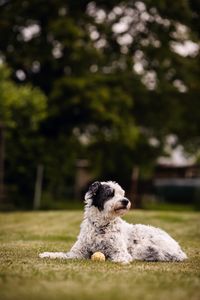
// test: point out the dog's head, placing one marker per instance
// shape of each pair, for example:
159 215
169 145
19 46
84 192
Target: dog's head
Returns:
107 197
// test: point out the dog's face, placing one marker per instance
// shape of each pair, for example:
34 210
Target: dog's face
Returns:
108 197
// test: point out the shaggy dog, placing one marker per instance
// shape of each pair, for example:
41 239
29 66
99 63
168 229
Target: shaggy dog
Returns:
103 230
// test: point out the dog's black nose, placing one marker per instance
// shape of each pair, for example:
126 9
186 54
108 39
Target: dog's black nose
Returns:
125 201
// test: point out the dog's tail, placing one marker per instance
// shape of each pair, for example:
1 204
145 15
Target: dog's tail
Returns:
182 255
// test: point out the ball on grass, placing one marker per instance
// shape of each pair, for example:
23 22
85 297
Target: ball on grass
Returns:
98 256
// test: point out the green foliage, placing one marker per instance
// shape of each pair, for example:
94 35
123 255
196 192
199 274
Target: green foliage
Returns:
22 108
113 77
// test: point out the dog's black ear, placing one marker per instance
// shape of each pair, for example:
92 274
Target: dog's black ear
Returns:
93 189
94 193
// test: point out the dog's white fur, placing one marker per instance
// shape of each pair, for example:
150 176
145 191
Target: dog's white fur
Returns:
104 230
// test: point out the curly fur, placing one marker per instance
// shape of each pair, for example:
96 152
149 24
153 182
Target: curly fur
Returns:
103 230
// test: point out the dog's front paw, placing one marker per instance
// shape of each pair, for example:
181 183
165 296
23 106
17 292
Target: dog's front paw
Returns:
45 255
122 260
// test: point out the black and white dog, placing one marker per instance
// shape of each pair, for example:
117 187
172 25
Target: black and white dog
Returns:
103 230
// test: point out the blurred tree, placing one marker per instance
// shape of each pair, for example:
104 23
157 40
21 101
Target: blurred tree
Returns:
21 110
120 76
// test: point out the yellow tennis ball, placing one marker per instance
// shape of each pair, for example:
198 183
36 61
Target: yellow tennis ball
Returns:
98 256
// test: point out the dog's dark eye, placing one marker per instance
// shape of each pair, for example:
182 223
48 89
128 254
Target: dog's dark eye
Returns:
110 193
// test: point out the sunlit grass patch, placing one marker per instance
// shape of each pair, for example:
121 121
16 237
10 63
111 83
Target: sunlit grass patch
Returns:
24 276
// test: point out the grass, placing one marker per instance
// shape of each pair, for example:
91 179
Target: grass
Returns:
168 206
24 276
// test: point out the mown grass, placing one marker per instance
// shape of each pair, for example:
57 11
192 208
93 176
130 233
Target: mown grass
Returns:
24 276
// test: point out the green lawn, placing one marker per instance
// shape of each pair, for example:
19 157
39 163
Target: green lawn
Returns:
24 276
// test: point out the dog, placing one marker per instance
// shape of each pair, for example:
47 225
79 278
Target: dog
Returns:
103 230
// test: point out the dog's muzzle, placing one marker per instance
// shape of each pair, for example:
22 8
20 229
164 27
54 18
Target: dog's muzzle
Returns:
123 204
